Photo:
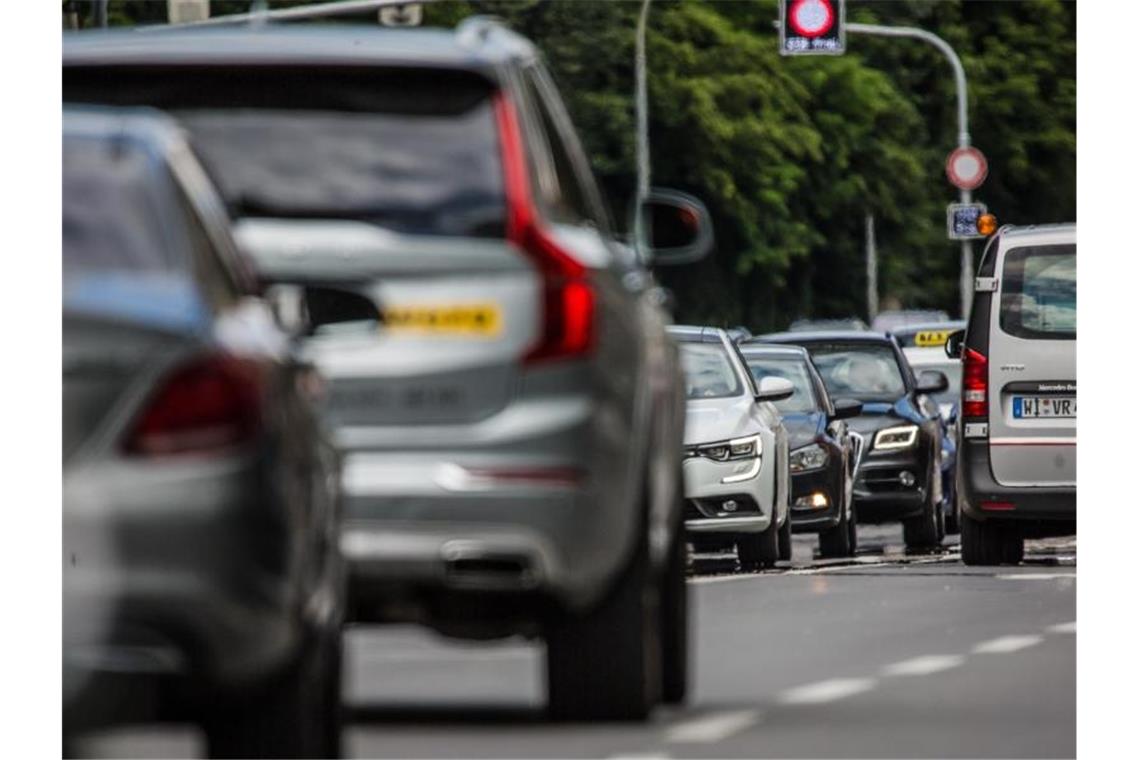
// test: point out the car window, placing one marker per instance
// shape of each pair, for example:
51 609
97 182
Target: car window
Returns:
791 369
561 194
113 218
414 151
866 371
1039 292
708 371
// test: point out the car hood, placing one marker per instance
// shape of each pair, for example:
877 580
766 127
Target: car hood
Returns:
720 419
804 427
877 415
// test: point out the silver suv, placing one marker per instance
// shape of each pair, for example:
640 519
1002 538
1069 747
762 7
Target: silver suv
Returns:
1018 426
507 402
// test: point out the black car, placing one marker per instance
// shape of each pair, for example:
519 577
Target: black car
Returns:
899 478
823 454
202 579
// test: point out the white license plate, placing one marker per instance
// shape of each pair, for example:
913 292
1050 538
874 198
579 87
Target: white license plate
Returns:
1033 407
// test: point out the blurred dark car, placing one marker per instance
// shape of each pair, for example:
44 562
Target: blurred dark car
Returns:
201 576
899 477
890 321
824 454
508 404
815 325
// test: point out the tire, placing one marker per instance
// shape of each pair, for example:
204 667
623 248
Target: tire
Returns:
836 542
784 540
852 533
922 532
953 521
605 664
757 551
675 624
988 544
296 716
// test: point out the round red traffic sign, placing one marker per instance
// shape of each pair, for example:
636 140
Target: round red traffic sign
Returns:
966 168
811 18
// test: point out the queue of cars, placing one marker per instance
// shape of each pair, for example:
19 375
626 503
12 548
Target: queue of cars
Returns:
348 336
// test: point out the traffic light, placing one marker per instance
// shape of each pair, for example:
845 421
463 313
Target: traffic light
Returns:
812 27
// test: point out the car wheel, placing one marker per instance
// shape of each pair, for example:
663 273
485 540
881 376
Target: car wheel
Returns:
759 550
835 542
675 624
784 540
922 532
953 521
297 715
605 664
989 543
852 533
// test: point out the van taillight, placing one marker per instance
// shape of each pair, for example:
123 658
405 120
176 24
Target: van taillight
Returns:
568 301
209 404
975 384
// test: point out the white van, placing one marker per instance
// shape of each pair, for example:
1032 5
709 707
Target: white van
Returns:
1018 427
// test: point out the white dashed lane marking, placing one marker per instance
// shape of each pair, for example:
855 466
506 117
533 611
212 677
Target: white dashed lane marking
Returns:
1063 628
712 728
1007 644
921 666
826 691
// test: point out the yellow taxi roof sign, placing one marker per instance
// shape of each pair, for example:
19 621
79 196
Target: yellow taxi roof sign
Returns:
931 337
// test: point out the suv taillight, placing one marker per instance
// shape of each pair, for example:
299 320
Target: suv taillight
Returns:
568 302
975 384
207 405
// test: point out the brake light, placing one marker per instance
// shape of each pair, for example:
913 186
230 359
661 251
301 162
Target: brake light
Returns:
568 298
975 384
210 404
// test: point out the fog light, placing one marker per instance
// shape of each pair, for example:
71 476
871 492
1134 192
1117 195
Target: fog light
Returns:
729 506
906 477
816 500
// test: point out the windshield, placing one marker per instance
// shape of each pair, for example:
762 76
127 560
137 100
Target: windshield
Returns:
791 369
708 371
866 371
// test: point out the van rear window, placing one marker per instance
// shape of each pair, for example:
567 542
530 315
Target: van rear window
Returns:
1039 292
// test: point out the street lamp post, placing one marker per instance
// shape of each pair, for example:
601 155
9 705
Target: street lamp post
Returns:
966 281
642 106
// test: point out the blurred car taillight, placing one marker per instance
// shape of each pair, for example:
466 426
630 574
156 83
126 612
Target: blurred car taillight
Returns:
210 404
975 384
568 298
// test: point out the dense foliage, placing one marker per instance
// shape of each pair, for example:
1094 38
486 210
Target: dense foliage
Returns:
791 153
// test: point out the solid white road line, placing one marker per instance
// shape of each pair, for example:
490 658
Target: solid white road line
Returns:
712 728
1007 644
921 666
826 691
1063 628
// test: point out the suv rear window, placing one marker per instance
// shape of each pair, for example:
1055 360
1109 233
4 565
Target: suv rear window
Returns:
1039 292
412 150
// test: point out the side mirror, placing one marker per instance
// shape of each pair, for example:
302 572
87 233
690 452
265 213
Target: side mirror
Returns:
954 344
775 389
846 408
676 227
327 306
949 413
931 381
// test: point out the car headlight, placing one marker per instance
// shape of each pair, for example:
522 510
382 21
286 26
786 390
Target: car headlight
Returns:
901 437
740 448
810 457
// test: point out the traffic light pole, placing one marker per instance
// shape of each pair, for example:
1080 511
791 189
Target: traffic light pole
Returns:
966 281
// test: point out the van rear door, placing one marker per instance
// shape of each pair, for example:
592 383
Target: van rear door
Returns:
1032 361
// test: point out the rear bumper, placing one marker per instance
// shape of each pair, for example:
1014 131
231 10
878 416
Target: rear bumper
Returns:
177 570
984 499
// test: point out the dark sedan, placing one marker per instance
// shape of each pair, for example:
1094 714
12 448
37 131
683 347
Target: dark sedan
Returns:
202 578
899 478
823 453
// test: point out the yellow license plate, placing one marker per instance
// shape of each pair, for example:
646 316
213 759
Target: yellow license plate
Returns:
931 337
484 320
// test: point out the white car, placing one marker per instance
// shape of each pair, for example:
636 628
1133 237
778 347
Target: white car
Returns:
735 470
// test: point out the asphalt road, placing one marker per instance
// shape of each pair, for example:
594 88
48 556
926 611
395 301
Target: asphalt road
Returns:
887 656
